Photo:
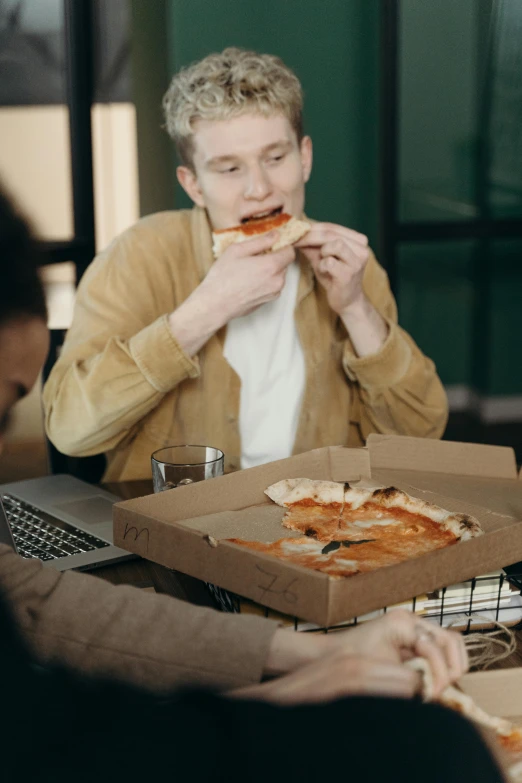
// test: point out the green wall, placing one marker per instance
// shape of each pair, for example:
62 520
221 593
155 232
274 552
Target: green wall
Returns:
462 303
333 48
436 294
150 77
439 66
505 322
459 300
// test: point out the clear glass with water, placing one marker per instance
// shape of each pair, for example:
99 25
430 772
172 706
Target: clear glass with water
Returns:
175 466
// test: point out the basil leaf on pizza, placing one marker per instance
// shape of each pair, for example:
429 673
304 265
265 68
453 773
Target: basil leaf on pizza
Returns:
333 546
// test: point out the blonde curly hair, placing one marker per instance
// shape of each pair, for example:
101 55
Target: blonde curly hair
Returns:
226 85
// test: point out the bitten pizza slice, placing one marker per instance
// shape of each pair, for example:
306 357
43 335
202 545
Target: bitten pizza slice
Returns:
290 230
314 507
508 735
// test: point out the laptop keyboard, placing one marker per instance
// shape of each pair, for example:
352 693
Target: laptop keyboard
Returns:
38 534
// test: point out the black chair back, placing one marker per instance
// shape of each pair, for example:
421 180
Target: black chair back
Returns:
90 469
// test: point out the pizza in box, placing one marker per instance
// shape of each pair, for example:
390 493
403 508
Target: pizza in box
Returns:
350 530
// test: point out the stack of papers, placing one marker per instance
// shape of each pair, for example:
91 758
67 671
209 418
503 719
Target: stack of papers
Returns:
487 592
509 614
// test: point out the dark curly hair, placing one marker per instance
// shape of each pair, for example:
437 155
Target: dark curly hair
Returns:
21 291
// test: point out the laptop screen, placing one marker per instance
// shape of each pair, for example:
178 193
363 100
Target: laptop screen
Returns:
6 537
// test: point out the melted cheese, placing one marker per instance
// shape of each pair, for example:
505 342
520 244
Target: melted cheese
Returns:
368 538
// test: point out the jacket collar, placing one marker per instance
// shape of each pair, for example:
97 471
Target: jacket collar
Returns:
202 239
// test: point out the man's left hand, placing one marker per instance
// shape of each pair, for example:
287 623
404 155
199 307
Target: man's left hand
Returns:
338 256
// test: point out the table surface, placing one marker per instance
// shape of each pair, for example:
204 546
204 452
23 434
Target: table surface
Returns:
145 574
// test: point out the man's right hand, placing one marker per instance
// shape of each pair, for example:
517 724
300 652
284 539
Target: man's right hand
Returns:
247 275
244 277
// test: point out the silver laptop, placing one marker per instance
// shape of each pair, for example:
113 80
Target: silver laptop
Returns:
60 520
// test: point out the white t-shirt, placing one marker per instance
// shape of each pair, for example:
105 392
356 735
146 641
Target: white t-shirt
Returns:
263 348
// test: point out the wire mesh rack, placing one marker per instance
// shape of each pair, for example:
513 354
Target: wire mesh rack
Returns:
477 604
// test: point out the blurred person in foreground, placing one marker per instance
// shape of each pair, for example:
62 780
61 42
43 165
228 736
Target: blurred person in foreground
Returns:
261 354
94 677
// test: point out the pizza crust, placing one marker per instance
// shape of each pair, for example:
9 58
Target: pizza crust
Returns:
509 735
355 498
463 526
456 699
289 491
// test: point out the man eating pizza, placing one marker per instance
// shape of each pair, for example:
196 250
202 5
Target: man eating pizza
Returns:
156 642
261 352
89 665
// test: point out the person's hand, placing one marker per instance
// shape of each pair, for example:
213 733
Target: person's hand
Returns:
338 256
399 636
334 677
306 663
246 275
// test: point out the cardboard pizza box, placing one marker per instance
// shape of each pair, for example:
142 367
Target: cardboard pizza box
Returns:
186 528
498 692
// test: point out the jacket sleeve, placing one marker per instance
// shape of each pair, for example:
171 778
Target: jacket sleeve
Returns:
120 357
146 639
397 390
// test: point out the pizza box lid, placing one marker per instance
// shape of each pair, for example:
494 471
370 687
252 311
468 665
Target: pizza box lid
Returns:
186 528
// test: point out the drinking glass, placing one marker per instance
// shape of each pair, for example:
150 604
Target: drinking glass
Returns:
174 466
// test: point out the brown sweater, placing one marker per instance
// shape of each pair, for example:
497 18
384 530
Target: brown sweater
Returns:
150 640
124 386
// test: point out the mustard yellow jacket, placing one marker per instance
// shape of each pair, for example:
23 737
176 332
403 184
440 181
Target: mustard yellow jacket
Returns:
124 386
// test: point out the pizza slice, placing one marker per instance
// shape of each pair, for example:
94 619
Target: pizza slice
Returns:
397 512
290 230
507 734
307 552
343 556
314 507
355 530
